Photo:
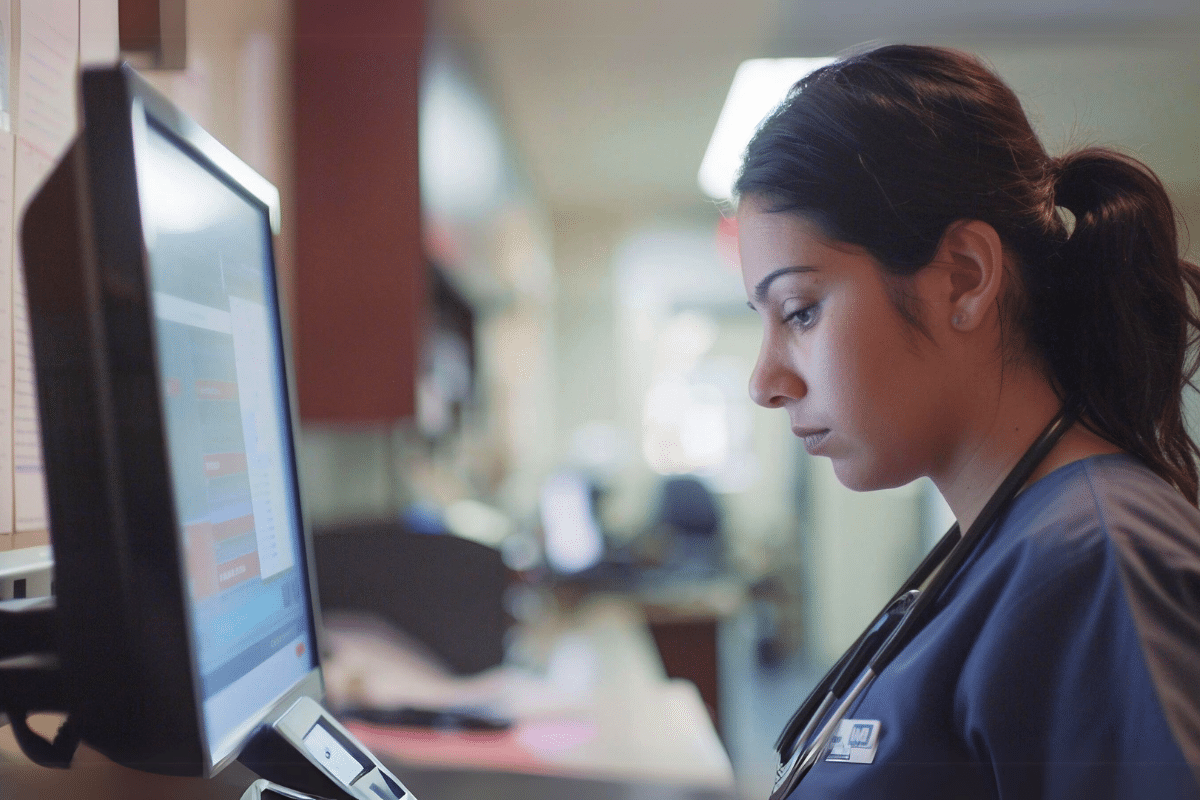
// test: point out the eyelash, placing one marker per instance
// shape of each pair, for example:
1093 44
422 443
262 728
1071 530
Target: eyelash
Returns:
810 312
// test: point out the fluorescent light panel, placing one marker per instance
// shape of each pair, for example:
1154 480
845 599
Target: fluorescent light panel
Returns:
759 85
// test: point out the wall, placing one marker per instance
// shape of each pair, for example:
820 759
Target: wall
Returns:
588 367
643 296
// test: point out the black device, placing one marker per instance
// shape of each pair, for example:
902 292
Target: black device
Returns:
184 632
449 718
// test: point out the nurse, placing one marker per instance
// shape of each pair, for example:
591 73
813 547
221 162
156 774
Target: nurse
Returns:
934 290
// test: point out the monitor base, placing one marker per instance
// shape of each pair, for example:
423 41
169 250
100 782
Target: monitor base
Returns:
309 751
265 790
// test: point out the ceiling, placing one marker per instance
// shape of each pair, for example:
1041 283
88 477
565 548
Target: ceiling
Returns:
612 103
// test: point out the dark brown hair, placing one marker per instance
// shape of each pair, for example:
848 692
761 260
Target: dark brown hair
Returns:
888 148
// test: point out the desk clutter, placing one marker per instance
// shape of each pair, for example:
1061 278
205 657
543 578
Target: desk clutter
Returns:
585 692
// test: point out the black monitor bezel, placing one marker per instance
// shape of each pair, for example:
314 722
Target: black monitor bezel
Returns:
138 700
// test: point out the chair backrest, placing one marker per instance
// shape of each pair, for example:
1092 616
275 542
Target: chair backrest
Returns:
444 591
689 506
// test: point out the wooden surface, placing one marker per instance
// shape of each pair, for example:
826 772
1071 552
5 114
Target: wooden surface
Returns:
688 649
92 779
443 785
685 621
138 23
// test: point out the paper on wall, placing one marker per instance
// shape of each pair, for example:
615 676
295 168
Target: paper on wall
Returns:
7 42
46 124
99 36
6 68
6 397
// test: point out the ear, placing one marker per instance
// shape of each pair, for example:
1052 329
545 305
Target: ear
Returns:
973 255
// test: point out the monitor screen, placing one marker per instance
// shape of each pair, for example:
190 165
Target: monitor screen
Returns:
224 396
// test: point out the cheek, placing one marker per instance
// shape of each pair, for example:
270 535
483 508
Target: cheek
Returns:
879 366
854 364
877 396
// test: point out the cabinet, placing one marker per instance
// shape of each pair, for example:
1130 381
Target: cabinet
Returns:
360 272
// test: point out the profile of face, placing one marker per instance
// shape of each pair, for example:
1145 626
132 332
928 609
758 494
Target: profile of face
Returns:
860 385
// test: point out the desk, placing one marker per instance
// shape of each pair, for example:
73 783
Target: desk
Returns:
592 701
685 619
96 781
629 731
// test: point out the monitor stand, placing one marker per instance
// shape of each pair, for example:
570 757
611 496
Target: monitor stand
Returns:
30 678
310 753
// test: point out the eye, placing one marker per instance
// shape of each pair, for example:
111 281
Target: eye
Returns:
803 318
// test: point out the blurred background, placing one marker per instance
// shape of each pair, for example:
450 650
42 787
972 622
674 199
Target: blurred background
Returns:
518 319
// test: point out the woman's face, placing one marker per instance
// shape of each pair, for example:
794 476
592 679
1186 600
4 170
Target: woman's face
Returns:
860 385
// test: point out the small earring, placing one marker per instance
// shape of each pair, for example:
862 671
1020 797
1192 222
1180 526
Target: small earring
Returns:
957 320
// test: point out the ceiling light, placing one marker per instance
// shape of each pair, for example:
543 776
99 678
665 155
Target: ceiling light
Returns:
759 85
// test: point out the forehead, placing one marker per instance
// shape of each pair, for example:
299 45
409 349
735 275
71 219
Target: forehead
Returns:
772 240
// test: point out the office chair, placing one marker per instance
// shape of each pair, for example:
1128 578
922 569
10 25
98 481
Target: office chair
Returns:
444 591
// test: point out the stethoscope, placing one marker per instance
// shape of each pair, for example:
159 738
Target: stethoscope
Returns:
899 621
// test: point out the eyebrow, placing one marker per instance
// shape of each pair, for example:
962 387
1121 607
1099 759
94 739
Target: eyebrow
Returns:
760 291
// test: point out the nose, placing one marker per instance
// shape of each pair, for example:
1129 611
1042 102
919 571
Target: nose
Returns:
775 380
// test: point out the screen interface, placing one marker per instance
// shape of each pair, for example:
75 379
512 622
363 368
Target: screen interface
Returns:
225 400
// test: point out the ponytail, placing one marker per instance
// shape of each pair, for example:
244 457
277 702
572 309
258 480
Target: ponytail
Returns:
1117 326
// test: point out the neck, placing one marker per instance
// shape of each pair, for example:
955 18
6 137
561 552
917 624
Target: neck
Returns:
1002 428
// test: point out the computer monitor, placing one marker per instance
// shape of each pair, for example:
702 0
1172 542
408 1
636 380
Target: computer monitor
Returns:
183 578
571 534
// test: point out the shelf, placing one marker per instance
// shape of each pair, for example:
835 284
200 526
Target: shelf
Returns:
34 565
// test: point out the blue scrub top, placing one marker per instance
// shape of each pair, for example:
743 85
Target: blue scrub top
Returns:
1063 661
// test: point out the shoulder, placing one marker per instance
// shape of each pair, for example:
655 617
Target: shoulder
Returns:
1143 517
1096 543
1116 533
1109 506
1084 635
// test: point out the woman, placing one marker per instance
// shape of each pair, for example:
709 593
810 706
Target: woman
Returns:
934 289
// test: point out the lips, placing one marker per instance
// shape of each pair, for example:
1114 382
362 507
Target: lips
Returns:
813 438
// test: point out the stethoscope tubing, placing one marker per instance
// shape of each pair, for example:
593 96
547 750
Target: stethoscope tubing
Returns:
822 740
939 567
837 679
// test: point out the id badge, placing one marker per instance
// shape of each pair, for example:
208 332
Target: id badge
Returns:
855 741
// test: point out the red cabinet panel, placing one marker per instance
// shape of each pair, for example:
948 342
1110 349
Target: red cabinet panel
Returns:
360 274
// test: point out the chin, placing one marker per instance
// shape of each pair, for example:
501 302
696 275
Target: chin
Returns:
859 477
